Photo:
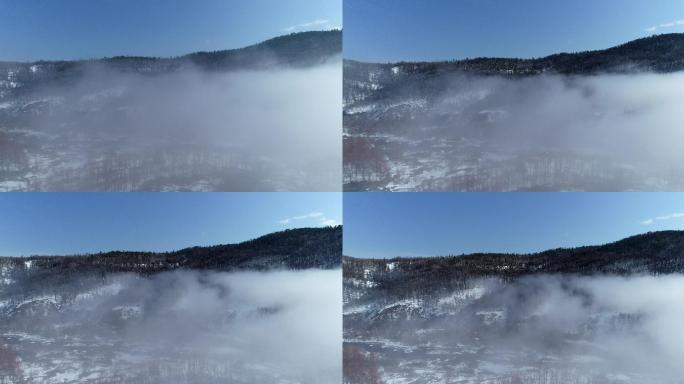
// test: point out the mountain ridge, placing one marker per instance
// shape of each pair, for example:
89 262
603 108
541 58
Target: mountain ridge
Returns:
296 50
661 53
272 43
295 249
660 252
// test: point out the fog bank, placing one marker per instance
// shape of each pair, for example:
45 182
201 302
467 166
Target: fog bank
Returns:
457 132
594 326
188 129
182 327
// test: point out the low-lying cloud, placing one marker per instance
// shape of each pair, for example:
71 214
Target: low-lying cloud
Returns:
276 129
635 118
606 132
187 326
627 326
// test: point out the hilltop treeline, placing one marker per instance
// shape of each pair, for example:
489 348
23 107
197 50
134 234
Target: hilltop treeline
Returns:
296 50
291 249
650 253
61 279
659 53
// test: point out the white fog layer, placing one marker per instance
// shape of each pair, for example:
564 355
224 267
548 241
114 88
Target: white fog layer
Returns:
188 130
173 327
546 329
492 133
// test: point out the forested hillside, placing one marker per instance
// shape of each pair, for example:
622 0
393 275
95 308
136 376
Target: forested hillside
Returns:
650 253
143 317
658 53
297 50
559 316
291 249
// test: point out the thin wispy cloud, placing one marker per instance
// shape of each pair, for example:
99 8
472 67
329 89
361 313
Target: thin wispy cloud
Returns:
318 23
670 24
328 222
317 217
672 216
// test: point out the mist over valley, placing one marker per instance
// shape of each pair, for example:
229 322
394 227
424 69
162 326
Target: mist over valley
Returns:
263 311
595 314
590 121
235 120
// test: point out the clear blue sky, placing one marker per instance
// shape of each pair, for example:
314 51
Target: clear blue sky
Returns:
427 224
67 223
76 29
395 30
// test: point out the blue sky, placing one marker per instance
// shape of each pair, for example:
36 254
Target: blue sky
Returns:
67 223
78 29
395 30
427 224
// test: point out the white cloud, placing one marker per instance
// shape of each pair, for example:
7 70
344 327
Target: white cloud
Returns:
315 216
308 216
678 215
669 24
311 24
